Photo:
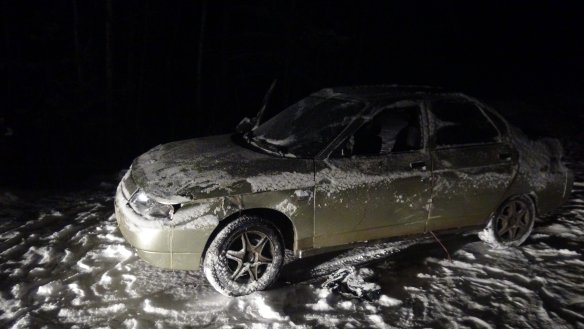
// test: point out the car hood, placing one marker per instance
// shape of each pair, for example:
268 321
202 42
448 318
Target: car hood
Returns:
215 166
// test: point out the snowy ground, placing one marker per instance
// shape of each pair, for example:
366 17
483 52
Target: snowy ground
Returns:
63 263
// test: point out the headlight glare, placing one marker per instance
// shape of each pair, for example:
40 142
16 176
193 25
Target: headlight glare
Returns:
149 208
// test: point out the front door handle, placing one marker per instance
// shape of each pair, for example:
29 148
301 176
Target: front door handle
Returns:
303 195
418 165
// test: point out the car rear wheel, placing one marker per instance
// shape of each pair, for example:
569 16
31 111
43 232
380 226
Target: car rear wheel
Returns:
511 224
245 256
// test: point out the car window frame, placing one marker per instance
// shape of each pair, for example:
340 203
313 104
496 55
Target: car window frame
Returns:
491 112
432 124
363 119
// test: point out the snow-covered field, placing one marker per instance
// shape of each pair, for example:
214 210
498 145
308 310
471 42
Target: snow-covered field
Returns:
63 263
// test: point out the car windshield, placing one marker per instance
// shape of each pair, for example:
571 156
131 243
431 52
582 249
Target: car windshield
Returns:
305 128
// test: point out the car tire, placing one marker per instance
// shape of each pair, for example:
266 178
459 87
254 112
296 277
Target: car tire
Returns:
245 256
511 224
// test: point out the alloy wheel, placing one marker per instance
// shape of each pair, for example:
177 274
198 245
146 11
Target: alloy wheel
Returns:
248 256
513 222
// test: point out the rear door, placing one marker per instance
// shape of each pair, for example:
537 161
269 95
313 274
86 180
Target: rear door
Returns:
472 165
377 183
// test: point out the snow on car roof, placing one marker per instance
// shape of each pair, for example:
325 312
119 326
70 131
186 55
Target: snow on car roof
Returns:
380 91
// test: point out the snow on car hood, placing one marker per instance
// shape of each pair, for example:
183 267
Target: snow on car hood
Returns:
215 166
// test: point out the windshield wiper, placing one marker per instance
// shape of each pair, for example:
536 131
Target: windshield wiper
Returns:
247 125
264 145
260 114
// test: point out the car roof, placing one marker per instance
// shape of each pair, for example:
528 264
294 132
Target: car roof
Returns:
384 92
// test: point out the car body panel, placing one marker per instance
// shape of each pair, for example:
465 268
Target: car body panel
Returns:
469 183
367 198
215 166
296 204
540 173
194 222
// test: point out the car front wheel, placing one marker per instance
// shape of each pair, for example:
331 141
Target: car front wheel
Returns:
245 256
511 224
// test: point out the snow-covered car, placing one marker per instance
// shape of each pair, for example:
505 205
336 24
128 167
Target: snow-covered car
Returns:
343 165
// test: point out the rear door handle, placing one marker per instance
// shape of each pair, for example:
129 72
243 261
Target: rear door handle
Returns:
505 156
418 165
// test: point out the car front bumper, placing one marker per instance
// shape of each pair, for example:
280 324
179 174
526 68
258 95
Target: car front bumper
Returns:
160 245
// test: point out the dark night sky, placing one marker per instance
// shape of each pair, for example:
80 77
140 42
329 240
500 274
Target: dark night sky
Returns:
54 65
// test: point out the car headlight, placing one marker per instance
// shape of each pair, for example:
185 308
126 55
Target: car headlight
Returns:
152 209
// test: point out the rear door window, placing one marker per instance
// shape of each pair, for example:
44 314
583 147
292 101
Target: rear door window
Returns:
496 119
460 123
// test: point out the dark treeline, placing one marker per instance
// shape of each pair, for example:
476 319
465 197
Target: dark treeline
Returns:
88 85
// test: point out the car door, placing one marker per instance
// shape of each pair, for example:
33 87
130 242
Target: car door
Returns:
472 164
377 183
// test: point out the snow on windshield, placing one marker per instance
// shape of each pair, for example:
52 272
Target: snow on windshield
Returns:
306 127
